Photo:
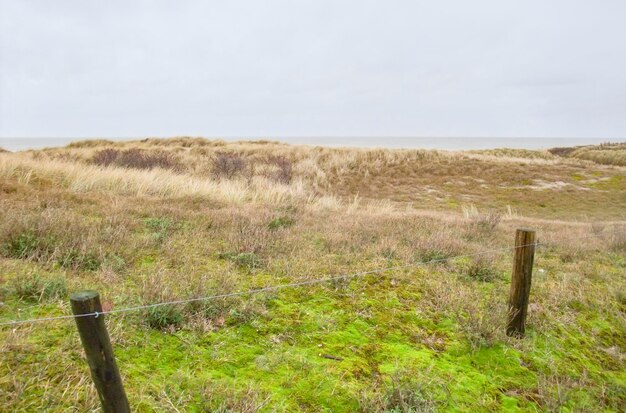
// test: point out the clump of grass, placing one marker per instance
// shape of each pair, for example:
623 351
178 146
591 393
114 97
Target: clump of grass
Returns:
487 222
160 227
482 321
221 398
250 234
34 287
405 392
44 239
27 244
481 268
436 247
54 236
77 259
247 260
281 222
482 223
165 317
617 240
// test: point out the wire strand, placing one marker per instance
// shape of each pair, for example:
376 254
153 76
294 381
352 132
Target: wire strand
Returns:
278 287
262 290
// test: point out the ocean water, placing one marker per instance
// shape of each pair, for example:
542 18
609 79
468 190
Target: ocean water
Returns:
447 143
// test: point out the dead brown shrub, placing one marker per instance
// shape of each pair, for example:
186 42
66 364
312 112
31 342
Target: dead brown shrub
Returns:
228 165
283 169
135 158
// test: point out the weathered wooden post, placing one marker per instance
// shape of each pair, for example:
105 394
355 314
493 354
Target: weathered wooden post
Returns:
520 281
95 339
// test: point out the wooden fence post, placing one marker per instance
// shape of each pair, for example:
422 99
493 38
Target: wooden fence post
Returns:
95 339
520 281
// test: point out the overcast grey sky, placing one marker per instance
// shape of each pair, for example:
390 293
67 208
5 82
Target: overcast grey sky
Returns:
313 68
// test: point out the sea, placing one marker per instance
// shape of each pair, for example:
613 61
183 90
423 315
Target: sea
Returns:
445 143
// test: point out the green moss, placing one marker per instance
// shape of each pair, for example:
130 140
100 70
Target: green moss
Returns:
614 183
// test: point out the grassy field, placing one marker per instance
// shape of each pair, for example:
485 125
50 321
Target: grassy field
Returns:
159 220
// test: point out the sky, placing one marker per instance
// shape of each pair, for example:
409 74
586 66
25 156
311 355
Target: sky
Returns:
313 68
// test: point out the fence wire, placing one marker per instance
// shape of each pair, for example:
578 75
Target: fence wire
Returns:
272 288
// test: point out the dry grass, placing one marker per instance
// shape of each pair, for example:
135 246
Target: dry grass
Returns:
156 182
420 339
606 153
533 183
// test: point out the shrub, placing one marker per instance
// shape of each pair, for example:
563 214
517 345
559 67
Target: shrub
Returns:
480 269
487 222
561 151
437 246
227 165
105 157
283 171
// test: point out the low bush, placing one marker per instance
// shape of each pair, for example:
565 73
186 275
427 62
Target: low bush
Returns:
105 157
487 222
282 171
480 268
228 165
